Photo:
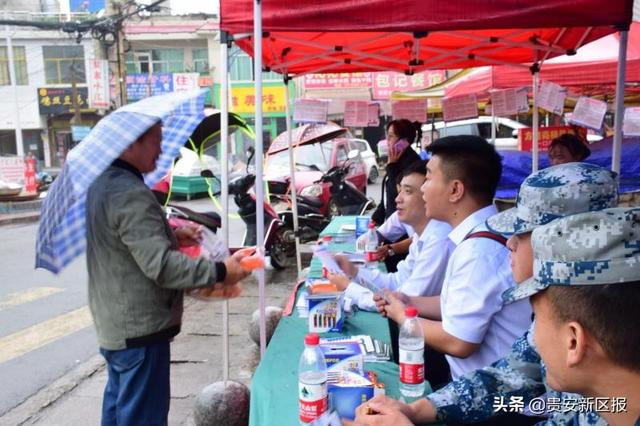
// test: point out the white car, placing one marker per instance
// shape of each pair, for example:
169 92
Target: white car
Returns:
368 156
506 130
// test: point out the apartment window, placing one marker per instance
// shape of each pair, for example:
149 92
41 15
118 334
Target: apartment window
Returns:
19 66
200 61
58 61
241 67
167 60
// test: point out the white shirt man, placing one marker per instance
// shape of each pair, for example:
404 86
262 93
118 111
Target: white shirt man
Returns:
422 272
472 309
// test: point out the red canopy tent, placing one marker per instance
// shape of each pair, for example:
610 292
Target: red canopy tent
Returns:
407 36
592 71
413 35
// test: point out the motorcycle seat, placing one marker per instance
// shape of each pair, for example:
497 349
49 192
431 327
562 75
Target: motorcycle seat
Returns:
313 202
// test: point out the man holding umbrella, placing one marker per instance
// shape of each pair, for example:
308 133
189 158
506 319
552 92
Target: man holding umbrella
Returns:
136 282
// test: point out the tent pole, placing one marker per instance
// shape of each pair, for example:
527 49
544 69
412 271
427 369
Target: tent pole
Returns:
259 187
536 120
224 186
617 125
294 191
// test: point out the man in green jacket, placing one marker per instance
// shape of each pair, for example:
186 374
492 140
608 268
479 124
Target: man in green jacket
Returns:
136 281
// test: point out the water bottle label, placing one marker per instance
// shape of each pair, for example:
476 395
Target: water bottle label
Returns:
412 366
371 256
313 400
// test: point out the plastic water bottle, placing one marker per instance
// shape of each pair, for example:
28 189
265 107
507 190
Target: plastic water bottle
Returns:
411 343
371 248
312 381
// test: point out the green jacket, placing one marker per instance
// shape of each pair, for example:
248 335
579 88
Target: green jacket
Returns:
136 274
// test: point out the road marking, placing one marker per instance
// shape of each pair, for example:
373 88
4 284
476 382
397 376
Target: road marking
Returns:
36 336
29 295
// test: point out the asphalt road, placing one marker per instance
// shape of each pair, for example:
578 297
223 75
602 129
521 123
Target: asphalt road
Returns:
45 324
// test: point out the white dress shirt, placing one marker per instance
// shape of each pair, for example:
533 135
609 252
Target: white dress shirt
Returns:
421 273
478 273
392 229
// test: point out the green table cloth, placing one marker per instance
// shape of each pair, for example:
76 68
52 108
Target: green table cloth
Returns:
274 387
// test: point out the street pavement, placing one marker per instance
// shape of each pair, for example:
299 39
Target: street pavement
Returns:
50 368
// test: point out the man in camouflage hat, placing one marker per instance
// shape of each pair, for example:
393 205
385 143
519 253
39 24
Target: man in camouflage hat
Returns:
519 377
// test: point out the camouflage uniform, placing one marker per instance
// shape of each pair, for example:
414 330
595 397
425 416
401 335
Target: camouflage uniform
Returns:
519 377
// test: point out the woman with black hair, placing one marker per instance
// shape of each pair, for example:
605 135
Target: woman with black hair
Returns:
400 135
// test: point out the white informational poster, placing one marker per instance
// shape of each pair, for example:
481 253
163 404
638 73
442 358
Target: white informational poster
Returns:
12 169
631 122
459 107
589 113
98 84
412 110
373 115
551 97
504 102
522 100
185 81
356 113
310 111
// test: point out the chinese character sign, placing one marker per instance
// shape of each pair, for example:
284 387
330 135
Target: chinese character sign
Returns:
412 110
589 113
459 107
338 80
12 169
98 84
185 81
545 136
140 86
373 115
243 99
57 100
551 97
384 83
631 123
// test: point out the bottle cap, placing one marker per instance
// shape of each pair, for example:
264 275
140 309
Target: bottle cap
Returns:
372 225
326 238
410 311
312 339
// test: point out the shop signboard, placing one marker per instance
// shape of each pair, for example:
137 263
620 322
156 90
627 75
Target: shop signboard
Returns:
57 100
140 86
545 136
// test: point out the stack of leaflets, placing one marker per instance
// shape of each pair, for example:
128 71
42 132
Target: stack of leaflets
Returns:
374 350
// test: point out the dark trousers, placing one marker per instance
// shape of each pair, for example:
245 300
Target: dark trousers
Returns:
137 390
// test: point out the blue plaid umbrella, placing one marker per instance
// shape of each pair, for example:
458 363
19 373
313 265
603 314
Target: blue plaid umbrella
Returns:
62 230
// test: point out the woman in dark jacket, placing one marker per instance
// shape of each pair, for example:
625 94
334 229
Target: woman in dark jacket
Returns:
400 135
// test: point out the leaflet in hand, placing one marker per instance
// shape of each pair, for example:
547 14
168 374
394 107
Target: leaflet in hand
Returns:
327 259
370 286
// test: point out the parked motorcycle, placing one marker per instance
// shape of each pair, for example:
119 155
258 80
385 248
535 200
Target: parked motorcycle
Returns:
346 199
274 238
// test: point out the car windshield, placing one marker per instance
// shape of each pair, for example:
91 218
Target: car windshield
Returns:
311 156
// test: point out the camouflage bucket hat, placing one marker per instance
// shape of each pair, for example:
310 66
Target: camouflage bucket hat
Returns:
556 192
584 249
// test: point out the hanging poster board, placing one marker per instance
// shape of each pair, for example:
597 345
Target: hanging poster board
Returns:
589 113
356 113
373 115
551 97
459 107
631 123
412 110
310 111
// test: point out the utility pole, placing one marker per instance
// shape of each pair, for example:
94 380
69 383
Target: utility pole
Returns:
12 78
77 116
113 7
